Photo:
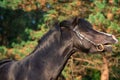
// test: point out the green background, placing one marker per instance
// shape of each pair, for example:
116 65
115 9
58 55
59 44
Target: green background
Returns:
23 22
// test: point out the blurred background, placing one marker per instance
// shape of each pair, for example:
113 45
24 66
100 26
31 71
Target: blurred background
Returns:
23 22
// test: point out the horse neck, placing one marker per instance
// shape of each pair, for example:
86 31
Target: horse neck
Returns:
52 53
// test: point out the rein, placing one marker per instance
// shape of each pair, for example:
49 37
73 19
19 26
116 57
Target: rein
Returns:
99 47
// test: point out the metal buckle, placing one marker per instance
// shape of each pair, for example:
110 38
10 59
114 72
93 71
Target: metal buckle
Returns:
100 47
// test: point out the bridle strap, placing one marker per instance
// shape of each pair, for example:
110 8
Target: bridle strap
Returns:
99 47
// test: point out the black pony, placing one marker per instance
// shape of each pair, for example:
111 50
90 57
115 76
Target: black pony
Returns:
54 49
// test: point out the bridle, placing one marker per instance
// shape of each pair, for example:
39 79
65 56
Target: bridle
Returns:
99 47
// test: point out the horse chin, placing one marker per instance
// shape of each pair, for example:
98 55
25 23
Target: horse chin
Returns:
93 50
108 48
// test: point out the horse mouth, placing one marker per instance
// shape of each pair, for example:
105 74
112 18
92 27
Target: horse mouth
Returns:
108 44
108 47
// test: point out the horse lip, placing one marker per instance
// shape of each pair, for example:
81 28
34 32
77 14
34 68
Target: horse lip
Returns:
108 48
108 45
105 44
111 43
116 40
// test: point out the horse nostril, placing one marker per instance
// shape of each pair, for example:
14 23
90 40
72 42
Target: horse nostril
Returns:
116 41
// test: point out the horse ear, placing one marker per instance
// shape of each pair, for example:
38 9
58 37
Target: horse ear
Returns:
70 24
65 24
85 23
75 21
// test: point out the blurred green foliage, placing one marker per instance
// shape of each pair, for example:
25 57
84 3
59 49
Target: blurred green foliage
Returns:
23 22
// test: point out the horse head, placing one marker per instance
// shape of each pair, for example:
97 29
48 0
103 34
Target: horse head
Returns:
87 39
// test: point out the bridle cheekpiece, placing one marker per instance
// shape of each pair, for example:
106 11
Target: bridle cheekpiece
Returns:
99 47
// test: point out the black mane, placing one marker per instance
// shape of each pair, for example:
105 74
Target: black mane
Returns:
5 61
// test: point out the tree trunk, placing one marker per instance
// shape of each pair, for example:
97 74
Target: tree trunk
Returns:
105 69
